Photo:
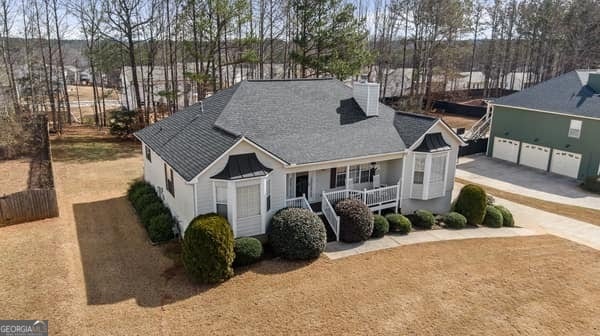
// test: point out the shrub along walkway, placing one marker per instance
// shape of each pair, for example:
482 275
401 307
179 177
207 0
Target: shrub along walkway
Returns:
337 250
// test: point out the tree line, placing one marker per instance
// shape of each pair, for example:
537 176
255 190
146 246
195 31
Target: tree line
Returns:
203 46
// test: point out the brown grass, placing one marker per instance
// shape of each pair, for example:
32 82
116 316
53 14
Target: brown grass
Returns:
454 120
92 272
14 175
588 215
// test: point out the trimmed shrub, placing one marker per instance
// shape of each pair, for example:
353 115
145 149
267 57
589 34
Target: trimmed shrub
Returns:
297 234
152 210
471 203
399 223
380 226
493 217
356 220
143 200
138 188
160 228
247 250
454 220
423 219
507 217
592 183
207 249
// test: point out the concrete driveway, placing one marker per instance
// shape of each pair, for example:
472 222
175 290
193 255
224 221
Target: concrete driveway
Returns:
525 181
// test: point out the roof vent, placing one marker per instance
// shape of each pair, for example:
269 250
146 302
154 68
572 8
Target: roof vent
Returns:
366 96
594 81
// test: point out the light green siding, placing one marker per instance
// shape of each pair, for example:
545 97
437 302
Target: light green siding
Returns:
550 130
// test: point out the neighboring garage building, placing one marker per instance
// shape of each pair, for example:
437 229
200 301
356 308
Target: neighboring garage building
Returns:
553 126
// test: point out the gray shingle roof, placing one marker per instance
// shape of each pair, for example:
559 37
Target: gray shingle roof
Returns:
188 141
568 94
412 126
298 121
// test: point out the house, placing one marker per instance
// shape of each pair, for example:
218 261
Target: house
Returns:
263 145
553 126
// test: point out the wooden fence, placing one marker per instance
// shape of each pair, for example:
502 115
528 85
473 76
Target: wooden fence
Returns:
28 205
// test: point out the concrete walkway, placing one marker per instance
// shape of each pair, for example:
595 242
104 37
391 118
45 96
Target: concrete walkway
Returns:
337 250
525 181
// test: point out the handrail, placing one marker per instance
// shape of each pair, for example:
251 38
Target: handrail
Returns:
298 202
332 218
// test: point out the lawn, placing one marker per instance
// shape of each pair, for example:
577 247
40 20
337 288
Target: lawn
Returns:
92 271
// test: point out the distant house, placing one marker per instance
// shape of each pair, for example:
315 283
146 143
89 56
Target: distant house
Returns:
260 146
553 126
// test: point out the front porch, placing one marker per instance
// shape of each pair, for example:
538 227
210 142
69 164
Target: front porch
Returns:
377 184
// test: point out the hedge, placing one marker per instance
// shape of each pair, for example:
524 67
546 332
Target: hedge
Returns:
207 249
380 226
297 234
423 219
399 223
507 217
247 250
454 220
356 220
471 203
153 214
493 217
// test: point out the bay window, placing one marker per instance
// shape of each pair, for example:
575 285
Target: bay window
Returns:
221 199
429 175
248 201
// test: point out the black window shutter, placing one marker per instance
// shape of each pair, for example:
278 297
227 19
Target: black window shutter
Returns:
332 178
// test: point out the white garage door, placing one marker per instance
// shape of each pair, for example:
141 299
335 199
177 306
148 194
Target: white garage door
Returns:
535 156
565 163
506 149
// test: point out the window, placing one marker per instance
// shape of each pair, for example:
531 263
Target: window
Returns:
365 174
148 153
340 177
575 129
355 174
438 169
221 199
169 180
248 201
419 172
268 191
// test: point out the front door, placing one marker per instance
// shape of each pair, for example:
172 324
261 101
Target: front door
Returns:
301 184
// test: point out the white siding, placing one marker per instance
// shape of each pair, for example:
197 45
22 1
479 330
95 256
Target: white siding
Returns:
204 191
436 205
182 205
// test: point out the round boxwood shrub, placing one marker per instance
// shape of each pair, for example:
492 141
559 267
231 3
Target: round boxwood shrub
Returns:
471 203
423 219
454 220
493 217
207 249
297 234
160 228
380 226
247 250
399 223
507 217
152 210
356 220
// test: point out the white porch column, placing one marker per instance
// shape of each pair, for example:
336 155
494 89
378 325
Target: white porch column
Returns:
263 204
348 179
232 206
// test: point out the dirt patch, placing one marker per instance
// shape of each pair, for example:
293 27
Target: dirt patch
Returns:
454 120
93 271
588 215
14 175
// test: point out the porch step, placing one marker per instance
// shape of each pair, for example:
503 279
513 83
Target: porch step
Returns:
330 233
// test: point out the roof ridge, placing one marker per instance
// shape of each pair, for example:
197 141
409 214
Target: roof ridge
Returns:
288 79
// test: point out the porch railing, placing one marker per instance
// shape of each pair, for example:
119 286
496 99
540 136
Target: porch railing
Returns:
298 202
338 195
380 196
332 218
